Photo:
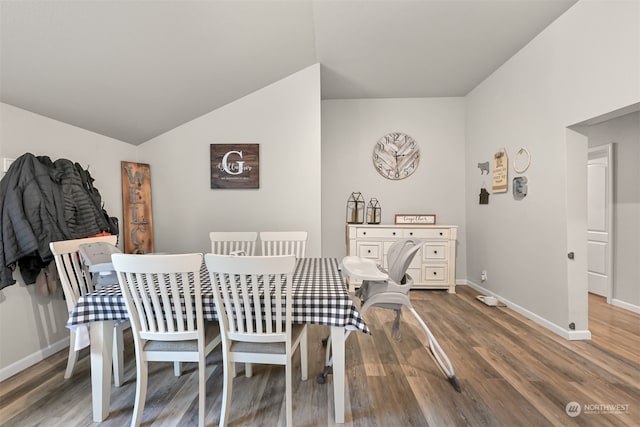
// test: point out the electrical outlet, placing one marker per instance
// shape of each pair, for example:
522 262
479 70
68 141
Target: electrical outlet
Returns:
483 275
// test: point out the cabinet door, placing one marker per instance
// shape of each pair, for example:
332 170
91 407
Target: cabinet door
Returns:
415 274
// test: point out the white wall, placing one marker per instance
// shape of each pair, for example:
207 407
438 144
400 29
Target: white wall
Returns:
33 326
583 65
624 132
284 118
350 129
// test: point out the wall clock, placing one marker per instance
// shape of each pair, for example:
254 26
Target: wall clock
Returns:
396 155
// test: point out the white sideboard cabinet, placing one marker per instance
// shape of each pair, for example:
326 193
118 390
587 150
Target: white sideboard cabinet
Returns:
434 266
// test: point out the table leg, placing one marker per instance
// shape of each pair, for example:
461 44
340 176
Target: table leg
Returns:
337 344
101 359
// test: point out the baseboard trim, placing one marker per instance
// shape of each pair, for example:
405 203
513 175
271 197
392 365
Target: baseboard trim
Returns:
625 305
32 359
564 333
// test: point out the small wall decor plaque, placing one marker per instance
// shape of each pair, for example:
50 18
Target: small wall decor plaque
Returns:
415 219
484 196
484 167
500 171
519 187
235 166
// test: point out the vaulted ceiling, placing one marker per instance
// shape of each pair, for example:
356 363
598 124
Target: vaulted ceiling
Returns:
133 70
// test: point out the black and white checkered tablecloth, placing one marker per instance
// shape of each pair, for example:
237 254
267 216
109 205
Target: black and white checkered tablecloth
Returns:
319 297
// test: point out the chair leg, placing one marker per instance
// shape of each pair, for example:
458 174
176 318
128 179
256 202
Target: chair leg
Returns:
288 393
201 389
177 368
141 390
227 389
248 370
118 356
303 355
73 356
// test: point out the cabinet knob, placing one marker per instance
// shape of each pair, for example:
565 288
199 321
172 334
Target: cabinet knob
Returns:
435 252
434 273
411 233
441 233
394 233
364 233
369 251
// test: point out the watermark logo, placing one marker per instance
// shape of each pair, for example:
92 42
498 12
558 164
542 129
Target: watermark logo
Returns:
605 408
573 409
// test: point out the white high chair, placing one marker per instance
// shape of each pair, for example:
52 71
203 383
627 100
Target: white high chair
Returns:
391 290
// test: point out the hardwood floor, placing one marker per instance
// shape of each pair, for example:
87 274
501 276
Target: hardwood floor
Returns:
512 373
614 329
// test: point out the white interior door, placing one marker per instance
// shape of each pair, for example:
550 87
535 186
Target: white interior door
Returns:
599 219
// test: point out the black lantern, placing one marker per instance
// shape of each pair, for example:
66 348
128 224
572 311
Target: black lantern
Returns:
373 211
355 208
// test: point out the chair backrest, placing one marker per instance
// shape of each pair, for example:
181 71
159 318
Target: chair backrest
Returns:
284 243
399 257
226 242
237 284
74 275
152 286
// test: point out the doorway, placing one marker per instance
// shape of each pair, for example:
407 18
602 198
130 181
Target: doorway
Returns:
623 127
600 220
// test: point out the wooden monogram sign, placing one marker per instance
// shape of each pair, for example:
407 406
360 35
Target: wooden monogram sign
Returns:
137 220
235 166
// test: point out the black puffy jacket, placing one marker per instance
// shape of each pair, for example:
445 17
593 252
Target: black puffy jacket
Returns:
43 201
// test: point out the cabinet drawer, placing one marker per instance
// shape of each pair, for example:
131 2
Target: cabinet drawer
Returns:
429 233
435 251
366 233
369 250
434 273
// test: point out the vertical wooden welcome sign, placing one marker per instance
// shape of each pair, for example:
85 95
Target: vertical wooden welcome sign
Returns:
137 219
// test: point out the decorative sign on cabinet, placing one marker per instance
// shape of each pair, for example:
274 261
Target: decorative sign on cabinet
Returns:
434 266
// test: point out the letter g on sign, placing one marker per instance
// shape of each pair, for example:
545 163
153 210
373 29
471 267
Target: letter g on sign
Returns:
228 168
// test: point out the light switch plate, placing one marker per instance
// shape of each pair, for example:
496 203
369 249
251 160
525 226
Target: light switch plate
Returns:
6 162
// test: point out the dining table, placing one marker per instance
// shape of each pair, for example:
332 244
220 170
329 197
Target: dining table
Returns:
320 297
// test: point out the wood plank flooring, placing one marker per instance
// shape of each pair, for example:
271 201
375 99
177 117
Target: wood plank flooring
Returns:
614 328
512 373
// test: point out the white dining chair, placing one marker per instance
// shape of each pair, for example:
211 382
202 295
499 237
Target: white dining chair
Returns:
235 243
76 281
167 323
265 336
229 242
284 243
281 243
